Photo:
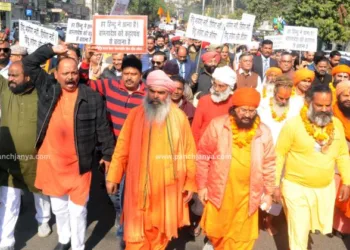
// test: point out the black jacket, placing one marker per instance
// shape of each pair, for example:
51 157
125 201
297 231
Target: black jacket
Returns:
258 65
322 79
90 119
110 74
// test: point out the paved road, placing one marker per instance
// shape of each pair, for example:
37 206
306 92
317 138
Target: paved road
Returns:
101 231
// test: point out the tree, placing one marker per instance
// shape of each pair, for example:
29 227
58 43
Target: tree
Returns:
150 8
329 16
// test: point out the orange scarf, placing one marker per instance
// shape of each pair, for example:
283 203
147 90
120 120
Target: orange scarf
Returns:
344 120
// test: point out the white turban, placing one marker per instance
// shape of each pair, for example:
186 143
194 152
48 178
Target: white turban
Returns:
253 45
226 75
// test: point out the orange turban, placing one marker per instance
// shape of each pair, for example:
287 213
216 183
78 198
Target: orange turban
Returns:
303 74
341 69
246 97
341 87
276 70
210 55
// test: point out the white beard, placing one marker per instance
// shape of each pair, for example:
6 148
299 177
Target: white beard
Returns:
157 113
220 97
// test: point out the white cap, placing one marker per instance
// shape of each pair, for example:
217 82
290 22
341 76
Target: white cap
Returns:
253 45
226 75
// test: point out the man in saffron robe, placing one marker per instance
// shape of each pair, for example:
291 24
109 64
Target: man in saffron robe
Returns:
269 81
340 73
308 148
155 149
235 173
341 109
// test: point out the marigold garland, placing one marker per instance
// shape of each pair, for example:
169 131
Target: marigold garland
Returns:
332 87
243 137
323 136
274 114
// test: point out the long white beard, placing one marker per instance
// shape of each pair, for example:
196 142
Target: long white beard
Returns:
220 96
156 113
320 120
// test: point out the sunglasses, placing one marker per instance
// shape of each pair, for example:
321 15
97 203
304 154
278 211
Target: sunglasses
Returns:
158 63
6 50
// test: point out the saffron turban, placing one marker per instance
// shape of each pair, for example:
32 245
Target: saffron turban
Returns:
158 78
226 75
253 45
341 87
246 97
210 55
303 74
276 70
341 69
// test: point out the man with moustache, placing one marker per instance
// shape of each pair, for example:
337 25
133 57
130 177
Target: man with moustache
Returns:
239 175
246 78
308 148
216 103
5 62
114 71
341 109
158 61
263 62
275 111
321 69
155 150
17 135
340 73
269 81
146 58
179 98
71 120
202 83
186 66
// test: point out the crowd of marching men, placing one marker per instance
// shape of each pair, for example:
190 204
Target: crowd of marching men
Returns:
224 133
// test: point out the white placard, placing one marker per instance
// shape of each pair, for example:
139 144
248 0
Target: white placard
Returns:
120 34
278 42
169 27
79 31
33 36
237 31
300 38
119 7
205 28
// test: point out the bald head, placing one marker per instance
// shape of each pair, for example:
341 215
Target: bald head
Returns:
182 54
65 60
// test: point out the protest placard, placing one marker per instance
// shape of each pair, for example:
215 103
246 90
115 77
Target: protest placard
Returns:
300 38
79 31
33 36
237 31
248 17
278 42
120 34
169 27
205 28
119 7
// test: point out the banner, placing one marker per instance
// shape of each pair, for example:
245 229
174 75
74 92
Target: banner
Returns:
300 38
248 17
119 7
238 31
120 34
33 36
278 42
205 28
79 31
180 33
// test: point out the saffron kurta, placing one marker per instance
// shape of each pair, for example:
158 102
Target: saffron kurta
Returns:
230 226
157 172
17 138
58 174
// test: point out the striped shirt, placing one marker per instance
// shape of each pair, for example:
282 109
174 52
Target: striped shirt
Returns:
118 100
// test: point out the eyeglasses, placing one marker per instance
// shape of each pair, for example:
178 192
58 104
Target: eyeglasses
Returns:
155 62
6 50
